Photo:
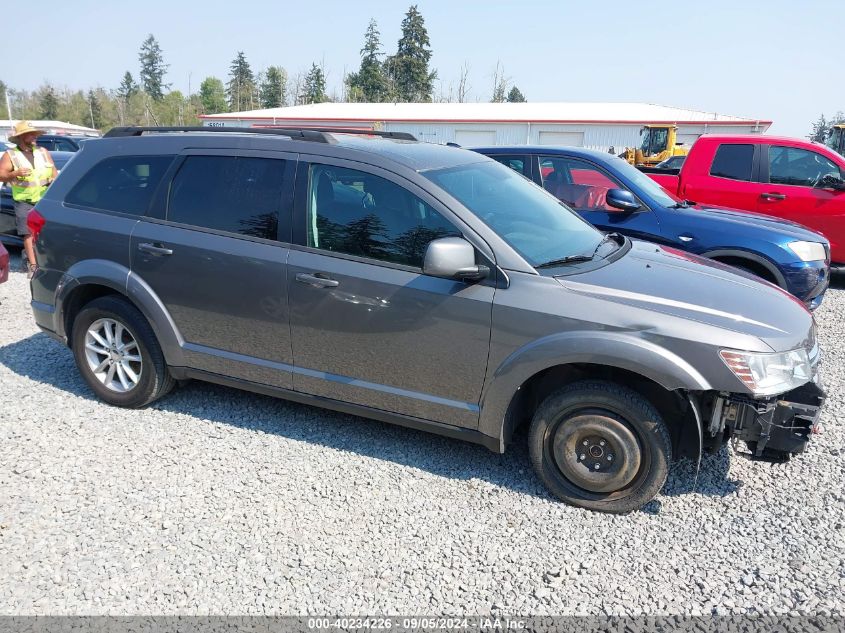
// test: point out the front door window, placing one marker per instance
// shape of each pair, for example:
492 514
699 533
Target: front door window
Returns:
357 213
799 167
579 185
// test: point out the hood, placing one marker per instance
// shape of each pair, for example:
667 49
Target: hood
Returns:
678 284
748 221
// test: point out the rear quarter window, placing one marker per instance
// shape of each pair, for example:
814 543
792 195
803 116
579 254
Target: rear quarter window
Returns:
734 161
122 184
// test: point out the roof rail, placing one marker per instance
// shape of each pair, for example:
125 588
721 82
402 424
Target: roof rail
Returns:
315 134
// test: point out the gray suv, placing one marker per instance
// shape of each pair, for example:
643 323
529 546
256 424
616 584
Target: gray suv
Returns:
417 284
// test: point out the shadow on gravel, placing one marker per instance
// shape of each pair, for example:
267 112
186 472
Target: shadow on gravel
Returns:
837 280
43 360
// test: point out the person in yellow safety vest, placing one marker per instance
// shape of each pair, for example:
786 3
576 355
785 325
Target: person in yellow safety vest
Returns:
30 170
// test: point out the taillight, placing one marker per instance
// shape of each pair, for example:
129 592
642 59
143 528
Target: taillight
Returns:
35 221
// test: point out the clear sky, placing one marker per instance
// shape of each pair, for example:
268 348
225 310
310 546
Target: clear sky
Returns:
777 60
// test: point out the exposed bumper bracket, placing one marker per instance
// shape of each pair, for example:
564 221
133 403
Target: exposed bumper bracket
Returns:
774 429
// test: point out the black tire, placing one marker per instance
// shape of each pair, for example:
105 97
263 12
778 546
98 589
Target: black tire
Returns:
153 377
617 424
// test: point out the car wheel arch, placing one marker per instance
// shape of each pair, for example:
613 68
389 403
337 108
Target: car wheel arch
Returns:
679 407
87 281
755 262
603 353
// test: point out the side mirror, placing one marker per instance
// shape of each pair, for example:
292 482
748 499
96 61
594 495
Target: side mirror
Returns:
622 199
831 182
453 258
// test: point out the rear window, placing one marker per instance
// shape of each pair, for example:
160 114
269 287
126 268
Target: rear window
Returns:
733 161
123 184
228 193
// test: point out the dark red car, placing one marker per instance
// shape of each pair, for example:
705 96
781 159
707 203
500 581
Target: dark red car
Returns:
782 177
4 264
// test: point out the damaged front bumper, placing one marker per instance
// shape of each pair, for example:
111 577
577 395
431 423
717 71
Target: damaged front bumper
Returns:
773 428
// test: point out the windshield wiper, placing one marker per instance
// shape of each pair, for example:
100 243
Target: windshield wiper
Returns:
610 236
683 204
569 259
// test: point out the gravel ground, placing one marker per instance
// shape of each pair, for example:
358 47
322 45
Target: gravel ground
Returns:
216 501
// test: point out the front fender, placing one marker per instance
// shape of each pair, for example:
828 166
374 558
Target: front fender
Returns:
619 350
757 258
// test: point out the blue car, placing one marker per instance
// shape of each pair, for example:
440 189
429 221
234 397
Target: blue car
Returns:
616 197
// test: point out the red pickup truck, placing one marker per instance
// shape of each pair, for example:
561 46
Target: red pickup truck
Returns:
782 177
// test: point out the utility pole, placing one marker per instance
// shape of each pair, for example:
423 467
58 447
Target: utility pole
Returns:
8 106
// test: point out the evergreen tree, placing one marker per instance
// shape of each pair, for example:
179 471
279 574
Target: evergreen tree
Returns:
273 91
241 87
127 87
369 84
212 96
515 96
315 86
152 68
95 110
818 132
408 70
48 104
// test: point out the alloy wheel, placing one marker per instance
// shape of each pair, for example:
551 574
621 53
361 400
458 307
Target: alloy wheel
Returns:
113 355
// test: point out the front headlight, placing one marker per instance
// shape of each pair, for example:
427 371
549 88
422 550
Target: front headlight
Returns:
769 374
808 251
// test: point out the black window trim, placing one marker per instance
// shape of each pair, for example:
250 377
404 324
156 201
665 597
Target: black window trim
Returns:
157 211
300 207
137 216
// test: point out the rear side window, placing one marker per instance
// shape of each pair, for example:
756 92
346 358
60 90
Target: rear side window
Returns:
517 163
123 184
229 193
733 161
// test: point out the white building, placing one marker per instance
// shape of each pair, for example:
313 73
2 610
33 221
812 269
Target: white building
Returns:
594 125
50 127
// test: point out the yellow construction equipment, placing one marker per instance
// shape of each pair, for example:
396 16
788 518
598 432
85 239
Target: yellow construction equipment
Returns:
836 138
659 143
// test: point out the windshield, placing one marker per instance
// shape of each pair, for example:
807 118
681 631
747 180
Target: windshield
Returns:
532 221
834 139
655 140
646 184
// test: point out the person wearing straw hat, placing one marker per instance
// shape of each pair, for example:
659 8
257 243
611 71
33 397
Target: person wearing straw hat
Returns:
30 170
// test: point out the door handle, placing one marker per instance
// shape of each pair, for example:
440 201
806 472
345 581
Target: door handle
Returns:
685 238
773 196
154 249
316 281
